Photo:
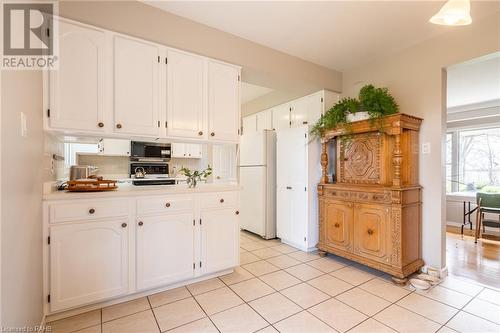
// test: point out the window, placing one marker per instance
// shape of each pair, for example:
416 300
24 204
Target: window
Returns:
71 149
473 160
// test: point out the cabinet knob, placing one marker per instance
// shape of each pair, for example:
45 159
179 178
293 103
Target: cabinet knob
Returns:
124 225
288 187
167 204
189 154
237 212
337 225
200 133
118 125
100 124
91 211
370 232
221 200
212 134
141 223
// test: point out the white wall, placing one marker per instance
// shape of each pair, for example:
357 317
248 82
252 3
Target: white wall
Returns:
416 78
22 176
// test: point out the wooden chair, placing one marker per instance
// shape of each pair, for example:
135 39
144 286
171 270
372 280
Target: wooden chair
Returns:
486 203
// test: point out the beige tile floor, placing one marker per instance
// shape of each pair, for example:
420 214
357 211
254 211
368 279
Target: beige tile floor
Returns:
280 289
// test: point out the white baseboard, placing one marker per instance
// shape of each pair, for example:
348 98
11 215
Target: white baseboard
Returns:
441 273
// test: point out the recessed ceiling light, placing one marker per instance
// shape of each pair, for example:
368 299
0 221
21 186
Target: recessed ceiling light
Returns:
454 12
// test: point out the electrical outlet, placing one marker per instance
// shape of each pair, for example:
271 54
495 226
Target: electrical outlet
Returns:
426 148
24 126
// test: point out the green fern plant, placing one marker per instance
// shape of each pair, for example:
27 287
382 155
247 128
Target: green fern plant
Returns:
336 115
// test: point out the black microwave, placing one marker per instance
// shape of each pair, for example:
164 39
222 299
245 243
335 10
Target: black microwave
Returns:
150 151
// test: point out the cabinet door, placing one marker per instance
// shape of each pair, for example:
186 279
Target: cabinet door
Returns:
291 214
223 102
88 262
224 163
219 239
281 117
114 147
178 150
249 124
77 88
165 249
136 65
360 159
371 231
338 224
299 111
265 120
185 97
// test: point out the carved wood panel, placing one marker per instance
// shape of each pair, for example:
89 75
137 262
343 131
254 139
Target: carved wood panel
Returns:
359 159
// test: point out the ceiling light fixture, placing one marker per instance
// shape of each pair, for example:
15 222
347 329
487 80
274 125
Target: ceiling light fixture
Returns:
454 12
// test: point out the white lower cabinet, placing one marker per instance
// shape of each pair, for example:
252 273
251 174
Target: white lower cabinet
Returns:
89 262
219 239
94 258
165 249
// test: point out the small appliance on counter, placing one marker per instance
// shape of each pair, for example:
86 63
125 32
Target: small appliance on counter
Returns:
149 163
77 172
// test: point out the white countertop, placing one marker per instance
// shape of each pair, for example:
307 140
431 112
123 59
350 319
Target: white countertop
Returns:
127 190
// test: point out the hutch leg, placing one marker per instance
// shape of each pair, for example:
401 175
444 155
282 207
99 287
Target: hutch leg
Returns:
322 253
399 281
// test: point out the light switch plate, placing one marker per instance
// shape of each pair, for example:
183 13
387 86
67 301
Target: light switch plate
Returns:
426 148
24 125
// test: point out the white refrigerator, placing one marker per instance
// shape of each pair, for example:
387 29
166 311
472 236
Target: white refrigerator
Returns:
258 183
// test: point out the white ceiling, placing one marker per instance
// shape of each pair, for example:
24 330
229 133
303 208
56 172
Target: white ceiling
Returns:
473 82
336 34
249 92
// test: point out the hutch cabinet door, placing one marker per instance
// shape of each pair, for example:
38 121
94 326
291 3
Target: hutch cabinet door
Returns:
77 88
223 102
136 79
89 261
185 98
359 159
165 249
219 239
372 231
338 224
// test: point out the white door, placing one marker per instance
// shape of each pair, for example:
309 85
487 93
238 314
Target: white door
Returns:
165 249
114 147
223 102
88 262
77 88
316 102
185 98
291 156
281 117
194 150
178 150
265 120
298 215
283 213
224 163
249 124
299 112
219 239
253 199
136 73
253 148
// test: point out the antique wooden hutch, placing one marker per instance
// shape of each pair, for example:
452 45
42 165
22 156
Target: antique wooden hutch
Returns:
370 212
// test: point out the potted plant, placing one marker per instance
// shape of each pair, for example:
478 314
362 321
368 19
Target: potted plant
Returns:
193 177
373 103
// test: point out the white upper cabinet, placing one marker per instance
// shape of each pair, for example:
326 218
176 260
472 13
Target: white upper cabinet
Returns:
187 150
249 124
125 87
223 102
299 110
77 88
265 120
186 114
281 116
135 82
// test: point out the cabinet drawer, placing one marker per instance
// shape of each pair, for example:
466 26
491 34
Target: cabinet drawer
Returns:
164 204
219 200
91 209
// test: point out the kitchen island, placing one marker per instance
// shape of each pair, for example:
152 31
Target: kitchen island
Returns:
106 247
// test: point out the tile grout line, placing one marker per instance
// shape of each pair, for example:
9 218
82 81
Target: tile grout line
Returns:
206 314
154 314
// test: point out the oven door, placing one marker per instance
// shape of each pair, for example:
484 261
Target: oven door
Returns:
150 151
